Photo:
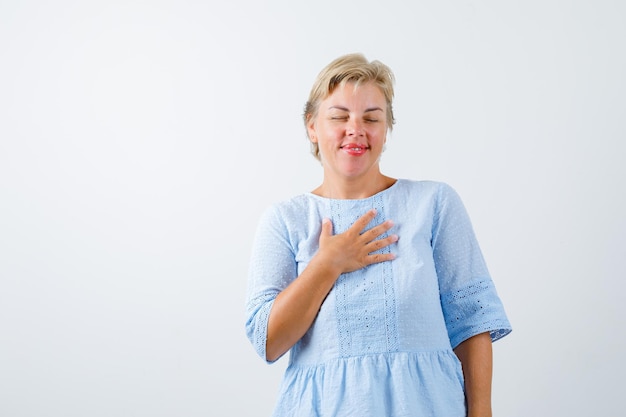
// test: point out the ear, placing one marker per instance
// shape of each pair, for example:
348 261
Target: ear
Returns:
310 128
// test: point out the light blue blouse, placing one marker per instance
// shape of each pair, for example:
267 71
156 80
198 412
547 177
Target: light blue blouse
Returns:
382 342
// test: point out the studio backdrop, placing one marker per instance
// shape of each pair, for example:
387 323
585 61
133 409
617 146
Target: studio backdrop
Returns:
141 140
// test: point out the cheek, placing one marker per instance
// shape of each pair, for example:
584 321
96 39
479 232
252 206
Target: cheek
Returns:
329 134
378 134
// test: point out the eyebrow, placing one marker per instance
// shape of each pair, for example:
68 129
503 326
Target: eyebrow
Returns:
369 109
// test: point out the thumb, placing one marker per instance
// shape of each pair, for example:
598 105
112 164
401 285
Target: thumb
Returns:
327 227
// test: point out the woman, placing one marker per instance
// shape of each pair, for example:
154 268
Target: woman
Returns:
375 285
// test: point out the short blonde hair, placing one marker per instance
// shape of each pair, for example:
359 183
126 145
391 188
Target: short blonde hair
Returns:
354 68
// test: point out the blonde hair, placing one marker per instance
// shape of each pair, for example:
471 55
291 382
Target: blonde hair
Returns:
353 68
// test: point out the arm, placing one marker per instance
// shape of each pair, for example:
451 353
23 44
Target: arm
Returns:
476 358
296 307
472 309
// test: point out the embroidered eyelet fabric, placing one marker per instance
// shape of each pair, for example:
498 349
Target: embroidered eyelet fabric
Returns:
382 342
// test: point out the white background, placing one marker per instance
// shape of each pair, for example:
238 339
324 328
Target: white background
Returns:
140 141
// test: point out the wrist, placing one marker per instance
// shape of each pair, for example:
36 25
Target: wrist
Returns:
480 412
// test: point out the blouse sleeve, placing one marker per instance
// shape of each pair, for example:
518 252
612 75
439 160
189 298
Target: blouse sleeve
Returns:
469 299
272 267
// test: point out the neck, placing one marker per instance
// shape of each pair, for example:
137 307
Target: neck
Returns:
353 189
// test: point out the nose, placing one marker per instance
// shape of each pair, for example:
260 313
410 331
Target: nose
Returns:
354 128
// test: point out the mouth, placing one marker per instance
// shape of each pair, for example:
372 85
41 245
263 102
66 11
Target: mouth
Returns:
355 148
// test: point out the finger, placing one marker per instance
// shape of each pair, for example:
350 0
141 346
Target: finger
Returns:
327 227
380 257
364 220
381 243
378 230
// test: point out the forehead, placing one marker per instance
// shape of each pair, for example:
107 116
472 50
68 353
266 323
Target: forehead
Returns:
350 92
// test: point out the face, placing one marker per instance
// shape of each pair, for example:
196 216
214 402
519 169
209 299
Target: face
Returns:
350 129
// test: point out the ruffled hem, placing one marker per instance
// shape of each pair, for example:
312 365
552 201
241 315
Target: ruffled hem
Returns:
387 384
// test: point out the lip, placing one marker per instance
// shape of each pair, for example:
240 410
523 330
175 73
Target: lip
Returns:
355 148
